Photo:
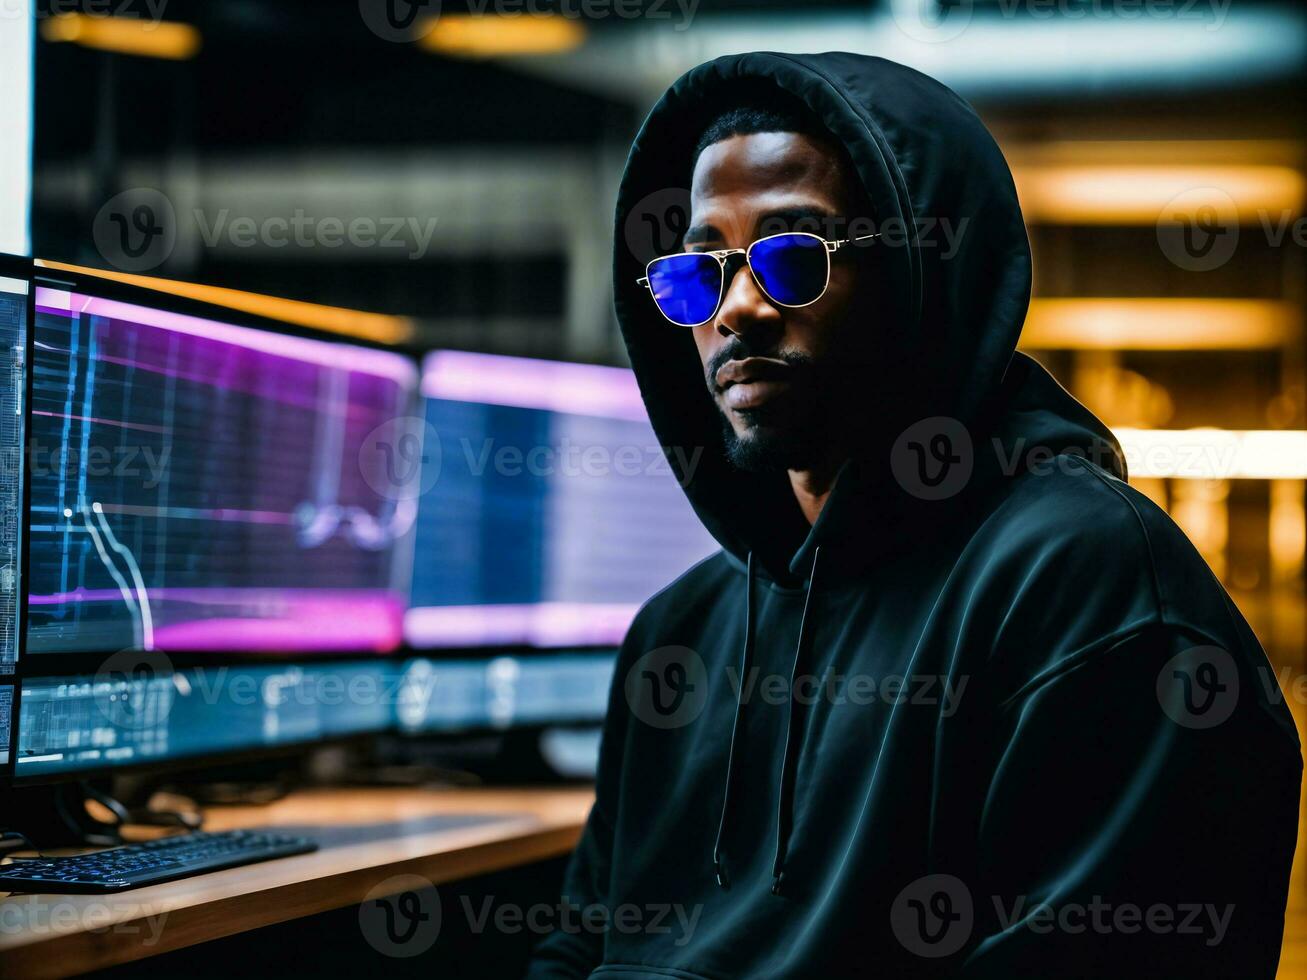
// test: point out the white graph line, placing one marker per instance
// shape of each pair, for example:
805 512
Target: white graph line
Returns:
318 525
137 623
147 618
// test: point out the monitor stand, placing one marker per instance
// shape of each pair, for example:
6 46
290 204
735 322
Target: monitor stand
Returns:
56 815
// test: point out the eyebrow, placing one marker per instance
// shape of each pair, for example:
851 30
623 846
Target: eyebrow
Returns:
698 234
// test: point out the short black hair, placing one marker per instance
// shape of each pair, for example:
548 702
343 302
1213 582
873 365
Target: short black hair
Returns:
779 112
776 115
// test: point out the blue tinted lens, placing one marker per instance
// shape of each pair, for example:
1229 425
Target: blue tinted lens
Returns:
686 287
792 269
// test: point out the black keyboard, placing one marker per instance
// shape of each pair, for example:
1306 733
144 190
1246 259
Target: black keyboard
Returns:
149 863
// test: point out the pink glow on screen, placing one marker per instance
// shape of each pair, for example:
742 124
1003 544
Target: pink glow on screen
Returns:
546 624
263 620
520 382
328 625
344 356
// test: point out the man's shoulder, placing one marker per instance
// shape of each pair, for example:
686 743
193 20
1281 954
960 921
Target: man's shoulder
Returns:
1075 509
1071 538
688 595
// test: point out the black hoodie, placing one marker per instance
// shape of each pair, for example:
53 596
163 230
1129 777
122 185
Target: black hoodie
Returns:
992 717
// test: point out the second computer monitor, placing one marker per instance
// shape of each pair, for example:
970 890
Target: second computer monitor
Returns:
552 512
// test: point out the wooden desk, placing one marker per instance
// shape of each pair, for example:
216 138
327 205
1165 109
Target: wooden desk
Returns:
367 836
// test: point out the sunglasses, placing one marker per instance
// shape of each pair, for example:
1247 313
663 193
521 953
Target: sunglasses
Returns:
792 269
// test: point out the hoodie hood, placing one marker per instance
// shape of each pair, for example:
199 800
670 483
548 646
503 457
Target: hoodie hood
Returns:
942 196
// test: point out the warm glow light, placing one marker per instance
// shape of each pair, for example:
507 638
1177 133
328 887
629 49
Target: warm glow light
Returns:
1202 509
1139 195
1158 324
1153 152
378 327
488 36
1288 530
1215 454
125 35
1133 181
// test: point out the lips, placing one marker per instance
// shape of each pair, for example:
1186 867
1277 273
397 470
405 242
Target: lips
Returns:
752 382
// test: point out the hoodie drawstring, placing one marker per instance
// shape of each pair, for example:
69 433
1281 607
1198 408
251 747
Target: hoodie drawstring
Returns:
720 870
785 803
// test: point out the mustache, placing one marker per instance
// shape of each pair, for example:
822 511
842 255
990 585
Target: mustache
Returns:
736 349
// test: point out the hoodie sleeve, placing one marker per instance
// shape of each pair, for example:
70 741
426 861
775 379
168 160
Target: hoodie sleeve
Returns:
1141 796
576 951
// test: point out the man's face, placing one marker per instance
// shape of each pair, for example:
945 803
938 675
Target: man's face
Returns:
772 370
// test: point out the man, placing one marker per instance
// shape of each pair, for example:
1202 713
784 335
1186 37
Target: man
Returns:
953 699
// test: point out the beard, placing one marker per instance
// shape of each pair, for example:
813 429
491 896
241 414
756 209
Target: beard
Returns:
764 451
792 433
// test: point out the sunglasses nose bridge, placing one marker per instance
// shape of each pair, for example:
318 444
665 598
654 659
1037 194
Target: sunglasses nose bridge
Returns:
741 312
731 266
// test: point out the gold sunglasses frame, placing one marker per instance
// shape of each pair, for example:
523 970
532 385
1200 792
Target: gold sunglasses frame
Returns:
721 255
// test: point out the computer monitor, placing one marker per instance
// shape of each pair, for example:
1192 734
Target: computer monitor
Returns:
15 288
80 725
475 694
213 543
197 485
552 508
550 514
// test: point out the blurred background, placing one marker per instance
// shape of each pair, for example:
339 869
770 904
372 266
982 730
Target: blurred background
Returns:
1158 146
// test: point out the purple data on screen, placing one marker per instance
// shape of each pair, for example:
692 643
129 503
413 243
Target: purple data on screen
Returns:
201 486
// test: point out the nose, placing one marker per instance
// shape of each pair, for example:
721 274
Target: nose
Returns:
745 312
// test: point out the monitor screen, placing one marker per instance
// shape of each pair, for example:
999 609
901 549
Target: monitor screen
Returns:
6 721
13 351
550 512
501 692
84 723
13 348
202 486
